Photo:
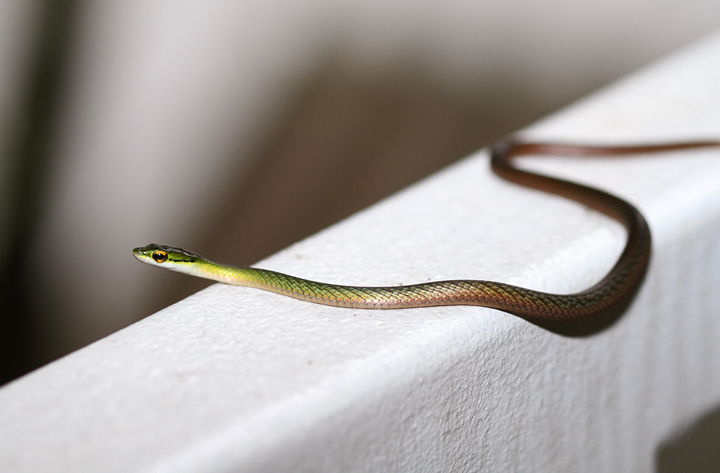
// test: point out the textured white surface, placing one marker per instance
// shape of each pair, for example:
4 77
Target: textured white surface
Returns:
235 379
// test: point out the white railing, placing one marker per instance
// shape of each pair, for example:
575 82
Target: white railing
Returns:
235 379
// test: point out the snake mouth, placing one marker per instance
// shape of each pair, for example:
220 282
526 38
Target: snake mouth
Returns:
147 254
138 252
143 254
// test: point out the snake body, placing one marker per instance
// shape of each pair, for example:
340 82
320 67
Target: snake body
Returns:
622 279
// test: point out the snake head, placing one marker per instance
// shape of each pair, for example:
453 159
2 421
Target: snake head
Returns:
169 256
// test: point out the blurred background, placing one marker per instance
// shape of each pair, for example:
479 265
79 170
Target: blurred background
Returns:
235 128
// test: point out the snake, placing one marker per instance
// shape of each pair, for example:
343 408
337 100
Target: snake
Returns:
605 295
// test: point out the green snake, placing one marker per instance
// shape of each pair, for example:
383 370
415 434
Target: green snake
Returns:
621 281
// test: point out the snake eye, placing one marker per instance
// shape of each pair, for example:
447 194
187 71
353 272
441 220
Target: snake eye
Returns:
159 256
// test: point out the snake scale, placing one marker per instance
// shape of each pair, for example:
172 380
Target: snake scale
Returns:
622 279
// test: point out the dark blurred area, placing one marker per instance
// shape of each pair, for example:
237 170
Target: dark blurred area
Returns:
94 163
27 163
694 449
